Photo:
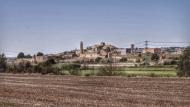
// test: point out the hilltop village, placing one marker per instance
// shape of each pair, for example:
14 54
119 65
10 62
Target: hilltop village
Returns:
106 53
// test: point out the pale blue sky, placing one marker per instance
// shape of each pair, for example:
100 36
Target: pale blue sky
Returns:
53 26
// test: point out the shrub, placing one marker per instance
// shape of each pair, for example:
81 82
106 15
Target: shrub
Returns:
22 67
73 69
46 68
167 63
3 63
26 67
98 60
110 70
184 63
49 62
87 75
153 75
131 75
123 59
155 58
173 62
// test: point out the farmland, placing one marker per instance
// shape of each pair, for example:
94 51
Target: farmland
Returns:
151 71
37 90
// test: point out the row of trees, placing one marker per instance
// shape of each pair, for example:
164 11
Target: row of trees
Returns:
22 55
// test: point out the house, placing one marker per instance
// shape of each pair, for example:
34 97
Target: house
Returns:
22 60
122 51
152 50
90 55
39 59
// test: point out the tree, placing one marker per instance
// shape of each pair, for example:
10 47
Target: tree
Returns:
98 59
3 63
40 54
21 55
28 56
155 57
123 59
50 62
140 55
184 63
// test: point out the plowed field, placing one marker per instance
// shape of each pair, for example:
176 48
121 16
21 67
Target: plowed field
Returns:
19 90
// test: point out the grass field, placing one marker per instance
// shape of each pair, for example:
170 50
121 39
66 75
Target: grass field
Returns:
152 71
23 90
141 71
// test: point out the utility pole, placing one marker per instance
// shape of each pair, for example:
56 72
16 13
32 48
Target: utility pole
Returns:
146 53
146 44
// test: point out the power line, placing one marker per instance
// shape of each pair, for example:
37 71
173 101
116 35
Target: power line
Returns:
137 43
170 42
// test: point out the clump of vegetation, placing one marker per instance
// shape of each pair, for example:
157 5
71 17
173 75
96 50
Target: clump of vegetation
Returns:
123 59
184 63
131 75
47 67
22 55
40 54
3 63
73 69
26 67
110 70
155 58
98 60
7 104
173 62
153 75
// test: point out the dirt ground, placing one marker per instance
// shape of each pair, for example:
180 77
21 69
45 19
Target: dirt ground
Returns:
22 90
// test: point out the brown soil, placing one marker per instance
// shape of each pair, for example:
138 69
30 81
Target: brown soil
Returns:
19 90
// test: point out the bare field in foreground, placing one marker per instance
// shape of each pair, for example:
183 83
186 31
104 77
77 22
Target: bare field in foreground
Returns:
18 90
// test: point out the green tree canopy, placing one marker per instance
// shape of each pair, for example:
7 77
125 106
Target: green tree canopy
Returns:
40 54
21 55
28 56
155 57
98 59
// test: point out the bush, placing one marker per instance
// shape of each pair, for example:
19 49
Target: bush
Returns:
110 70
123 59
153 75
98 60
173 62
73 69
87 75
167 63
131 75
27 67
3 63
22 67
184 63
49 62
46 68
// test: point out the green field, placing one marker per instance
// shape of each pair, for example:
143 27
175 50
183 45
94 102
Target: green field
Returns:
137 73
140 71
152 71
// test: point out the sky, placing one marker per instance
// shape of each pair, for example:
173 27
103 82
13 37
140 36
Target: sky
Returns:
53 26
